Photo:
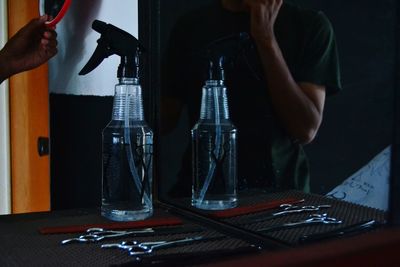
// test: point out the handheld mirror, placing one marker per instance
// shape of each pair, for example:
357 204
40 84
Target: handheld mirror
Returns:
56 10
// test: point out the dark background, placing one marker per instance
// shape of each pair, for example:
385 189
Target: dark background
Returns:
357 122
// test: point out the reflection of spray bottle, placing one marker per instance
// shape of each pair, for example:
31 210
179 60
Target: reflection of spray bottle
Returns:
127 139
214 137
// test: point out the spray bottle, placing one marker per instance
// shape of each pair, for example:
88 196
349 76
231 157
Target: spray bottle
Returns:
127 139
214 137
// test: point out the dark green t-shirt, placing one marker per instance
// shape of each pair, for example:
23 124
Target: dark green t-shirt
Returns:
267 157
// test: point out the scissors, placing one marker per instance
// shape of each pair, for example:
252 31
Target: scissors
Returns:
93 235
312 219
136 248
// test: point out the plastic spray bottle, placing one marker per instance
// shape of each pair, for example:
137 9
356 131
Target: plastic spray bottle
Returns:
214 137
127 156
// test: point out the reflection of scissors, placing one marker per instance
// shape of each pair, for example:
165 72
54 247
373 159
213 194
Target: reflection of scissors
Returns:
97 234
285 209
136 248
289 208
313 219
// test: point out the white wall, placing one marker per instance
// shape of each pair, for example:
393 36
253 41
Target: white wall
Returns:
77 42
5 178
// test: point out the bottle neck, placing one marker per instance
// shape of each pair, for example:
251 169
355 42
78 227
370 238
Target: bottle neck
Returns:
214 102
128 101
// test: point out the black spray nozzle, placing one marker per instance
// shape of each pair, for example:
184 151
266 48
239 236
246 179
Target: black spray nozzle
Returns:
114 41
224 51
216 69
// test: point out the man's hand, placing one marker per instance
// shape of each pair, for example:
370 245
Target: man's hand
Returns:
263 16
30 47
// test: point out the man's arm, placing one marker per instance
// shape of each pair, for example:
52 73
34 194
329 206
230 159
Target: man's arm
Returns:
30 47
299 106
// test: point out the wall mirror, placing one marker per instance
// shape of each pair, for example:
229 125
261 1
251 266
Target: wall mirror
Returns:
349 159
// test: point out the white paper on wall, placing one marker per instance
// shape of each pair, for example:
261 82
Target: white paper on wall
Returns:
77 42
369 186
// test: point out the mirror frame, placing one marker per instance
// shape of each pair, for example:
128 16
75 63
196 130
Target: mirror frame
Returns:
60 14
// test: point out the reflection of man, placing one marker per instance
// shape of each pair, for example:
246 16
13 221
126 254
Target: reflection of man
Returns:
276 88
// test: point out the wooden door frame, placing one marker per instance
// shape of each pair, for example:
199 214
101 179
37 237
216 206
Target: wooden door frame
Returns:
29 120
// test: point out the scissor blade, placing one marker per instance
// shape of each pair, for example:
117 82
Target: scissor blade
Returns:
173 243
113 245
69 241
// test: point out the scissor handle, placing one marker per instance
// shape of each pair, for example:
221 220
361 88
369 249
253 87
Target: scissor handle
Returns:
323 218
126 245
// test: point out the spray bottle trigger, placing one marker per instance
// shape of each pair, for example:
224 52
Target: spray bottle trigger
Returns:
102 51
